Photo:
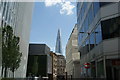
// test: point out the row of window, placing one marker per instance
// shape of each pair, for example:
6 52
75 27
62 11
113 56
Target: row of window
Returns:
95 5
91 13
9 12
106 30
89 18
94 38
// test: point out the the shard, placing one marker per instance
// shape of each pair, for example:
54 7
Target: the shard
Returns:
58 48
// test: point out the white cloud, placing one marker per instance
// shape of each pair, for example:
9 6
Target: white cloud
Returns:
66 6
49 3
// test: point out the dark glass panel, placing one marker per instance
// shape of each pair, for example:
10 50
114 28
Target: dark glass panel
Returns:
104 3
111 28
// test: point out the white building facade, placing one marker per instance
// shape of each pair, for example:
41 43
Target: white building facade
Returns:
18 15
72 55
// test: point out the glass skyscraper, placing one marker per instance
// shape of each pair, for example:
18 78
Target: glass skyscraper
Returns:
58 48
98 34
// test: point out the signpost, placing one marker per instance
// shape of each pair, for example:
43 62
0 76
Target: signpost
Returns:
87 66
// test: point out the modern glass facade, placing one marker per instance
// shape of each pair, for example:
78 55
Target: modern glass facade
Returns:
98 30
88 39
90 34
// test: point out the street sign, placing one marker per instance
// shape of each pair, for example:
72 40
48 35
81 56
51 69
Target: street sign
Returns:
87 65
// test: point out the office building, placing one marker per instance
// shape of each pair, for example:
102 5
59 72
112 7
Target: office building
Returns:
72 55
39 61
58 48
98 39
18 15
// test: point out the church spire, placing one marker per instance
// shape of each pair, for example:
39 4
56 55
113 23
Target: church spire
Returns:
58 48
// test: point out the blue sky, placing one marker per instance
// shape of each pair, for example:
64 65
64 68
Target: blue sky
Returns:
46 21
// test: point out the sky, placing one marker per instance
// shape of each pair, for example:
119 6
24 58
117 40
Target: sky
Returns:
47 18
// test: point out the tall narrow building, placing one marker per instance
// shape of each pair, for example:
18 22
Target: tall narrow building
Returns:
18 15
58 48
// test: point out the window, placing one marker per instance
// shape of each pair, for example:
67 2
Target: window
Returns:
96 7
79 20
111 28
82 13
84 6
84 27
6 16
90 15
78 8
86 24
86 48
4 8
79 39
98 34
87 44
104 3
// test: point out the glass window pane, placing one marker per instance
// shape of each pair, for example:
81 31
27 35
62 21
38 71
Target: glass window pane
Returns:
96 7
86 23
90 15
98 34
79 39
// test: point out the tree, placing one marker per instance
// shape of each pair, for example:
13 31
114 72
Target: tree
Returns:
11 56
7 34
16 55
